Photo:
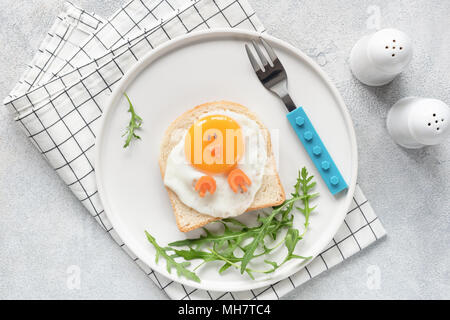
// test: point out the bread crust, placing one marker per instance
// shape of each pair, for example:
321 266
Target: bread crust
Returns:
188 219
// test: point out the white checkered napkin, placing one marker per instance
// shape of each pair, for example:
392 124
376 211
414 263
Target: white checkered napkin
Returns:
137 16
86 52
129 22
167 22
72 27
61 118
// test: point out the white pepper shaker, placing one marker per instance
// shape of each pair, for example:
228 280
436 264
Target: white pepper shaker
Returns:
415 122
378 58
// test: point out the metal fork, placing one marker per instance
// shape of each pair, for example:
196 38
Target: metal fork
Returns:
274 78
273 75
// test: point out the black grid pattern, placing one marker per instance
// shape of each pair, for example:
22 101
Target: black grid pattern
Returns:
196 15
138 15
61 116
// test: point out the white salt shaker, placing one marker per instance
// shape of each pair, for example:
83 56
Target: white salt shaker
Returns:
415 122
378 58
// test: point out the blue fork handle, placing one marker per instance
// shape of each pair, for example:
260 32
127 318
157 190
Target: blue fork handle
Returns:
316 150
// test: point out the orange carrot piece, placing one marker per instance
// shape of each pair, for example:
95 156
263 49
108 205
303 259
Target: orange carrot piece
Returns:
237 178
204 184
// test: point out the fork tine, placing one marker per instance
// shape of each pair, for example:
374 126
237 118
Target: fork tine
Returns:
260 54
252 59
269 50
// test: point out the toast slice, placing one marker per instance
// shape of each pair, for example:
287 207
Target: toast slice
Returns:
271 192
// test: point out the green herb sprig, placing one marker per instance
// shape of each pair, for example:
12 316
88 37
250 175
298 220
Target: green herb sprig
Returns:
134 124
170 261
228 246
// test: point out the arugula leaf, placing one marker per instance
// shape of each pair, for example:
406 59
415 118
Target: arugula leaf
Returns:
227 256
292 238
224 267
170 261
235 222
192 254
291 241
306 186
228 235
134 124
223 246
259 238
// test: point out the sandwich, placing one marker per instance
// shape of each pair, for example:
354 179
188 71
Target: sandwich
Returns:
216 162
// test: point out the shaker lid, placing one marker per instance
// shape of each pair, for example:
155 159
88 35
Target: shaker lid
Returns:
390 50
429 122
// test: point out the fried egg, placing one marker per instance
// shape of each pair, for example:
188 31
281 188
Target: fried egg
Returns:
230 142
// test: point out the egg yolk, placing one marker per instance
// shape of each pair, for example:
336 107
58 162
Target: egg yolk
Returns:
214 144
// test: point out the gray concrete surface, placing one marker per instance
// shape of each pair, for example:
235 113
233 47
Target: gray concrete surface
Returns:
44 230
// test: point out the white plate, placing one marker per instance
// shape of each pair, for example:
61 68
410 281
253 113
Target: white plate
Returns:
203 67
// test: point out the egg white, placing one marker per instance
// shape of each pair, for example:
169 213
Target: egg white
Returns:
224 203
